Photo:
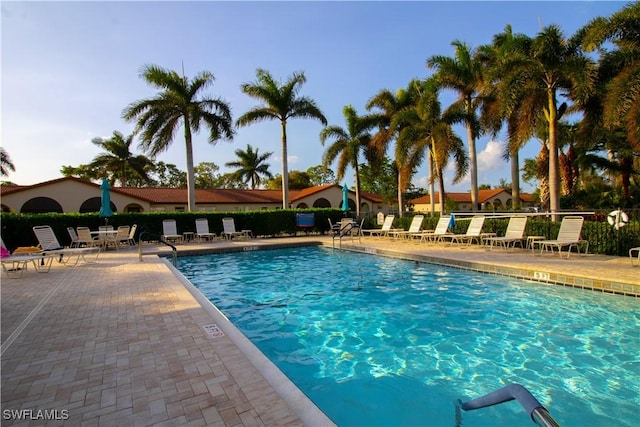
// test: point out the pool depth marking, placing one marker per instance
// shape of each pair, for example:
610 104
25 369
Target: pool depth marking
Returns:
213 331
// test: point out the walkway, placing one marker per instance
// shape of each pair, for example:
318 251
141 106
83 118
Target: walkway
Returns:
123 342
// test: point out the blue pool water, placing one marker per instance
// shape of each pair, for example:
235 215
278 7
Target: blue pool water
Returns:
376 341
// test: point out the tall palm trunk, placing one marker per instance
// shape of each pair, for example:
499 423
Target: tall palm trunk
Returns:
285 168
191 185
431 184
399 193
473 170
554 167
515 179
356 167
543 171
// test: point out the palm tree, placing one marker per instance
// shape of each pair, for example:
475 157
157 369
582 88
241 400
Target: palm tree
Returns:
550 68
250 166
497 108
348 144
178 105
464 74
389 105
118 161
620 67
425 129
5 163
279 102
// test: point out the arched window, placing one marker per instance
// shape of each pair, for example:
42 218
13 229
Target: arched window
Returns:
302 206
322 203
93 205
41 205
133 207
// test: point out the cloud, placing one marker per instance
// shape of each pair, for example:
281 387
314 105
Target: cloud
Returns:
490 158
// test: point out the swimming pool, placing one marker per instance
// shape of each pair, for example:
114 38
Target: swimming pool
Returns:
382 341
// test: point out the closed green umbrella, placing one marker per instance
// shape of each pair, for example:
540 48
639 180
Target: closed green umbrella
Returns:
345 198
105 201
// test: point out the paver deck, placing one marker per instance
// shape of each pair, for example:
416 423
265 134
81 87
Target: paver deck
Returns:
124 342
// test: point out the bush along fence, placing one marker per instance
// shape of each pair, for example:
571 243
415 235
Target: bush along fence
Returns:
17 229
604 238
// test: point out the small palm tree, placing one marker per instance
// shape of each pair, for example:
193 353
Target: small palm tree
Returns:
178 105
389 105
279 102
425 130
463 74
348 144
251 166
5 163
118 161
551 66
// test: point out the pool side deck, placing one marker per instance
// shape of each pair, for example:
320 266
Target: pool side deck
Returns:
129 343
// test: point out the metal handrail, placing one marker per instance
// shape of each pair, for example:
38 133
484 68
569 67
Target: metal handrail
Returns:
174 251
346 230
536 411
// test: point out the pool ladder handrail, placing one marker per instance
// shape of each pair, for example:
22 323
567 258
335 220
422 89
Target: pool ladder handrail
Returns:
344 231
536 411
174 251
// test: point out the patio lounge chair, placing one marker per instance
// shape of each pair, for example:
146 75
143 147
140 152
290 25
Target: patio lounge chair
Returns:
49 243
75 243
14 265
637 258
474 232
414 229
170 231
434 236
229 229
384 231
132 234
202 230
513 235
568 235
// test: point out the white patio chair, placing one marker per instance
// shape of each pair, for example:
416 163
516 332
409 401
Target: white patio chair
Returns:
202 230
568 236
170 231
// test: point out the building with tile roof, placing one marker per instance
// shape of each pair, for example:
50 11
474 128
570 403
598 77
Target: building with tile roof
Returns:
493 199
70 194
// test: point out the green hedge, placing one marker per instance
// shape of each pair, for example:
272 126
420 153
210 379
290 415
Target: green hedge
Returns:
17 228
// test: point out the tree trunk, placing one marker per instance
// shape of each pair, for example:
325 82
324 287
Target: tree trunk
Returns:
515 180
431 185
191 185
543 170
285 166
473 168
357 173
554 179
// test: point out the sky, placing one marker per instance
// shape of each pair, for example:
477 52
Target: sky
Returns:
68 69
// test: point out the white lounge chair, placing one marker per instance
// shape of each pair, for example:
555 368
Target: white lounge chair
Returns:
514 234
132 234
14 265
474 232
384 231
229 229
170 231
637 257
50 244
415 229
74 238
568 236
202 230
434 236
